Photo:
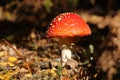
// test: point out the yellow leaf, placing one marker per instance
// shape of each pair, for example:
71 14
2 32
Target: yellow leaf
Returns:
50 71
3 53
28 75
9 74
12 59
1 76
8 15
6 64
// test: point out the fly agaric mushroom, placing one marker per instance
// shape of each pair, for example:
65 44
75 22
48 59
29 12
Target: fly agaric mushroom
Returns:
66 27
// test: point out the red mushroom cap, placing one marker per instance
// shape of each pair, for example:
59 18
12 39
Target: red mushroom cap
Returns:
68 25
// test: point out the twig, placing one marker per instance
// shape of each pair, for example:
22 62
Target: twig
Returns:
18 54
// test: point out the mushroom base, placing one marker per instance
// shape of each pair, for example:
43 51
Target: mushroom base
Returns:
65 55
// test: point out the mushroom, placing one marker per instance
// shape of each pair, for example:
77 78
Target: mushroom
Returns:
68 27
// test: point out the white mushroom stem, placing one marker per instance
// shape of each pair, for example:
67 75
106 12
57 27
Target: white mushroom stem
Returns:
65 55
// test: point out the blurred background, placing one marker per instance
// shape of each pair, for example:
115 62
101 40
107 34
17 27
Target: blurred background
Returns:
22 16
25 22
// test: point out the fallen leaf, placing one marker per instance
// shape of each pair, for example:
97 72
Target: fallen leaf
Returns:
28 75
6 64
10 73
49 71
71 63
12 59
3 53
1 76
